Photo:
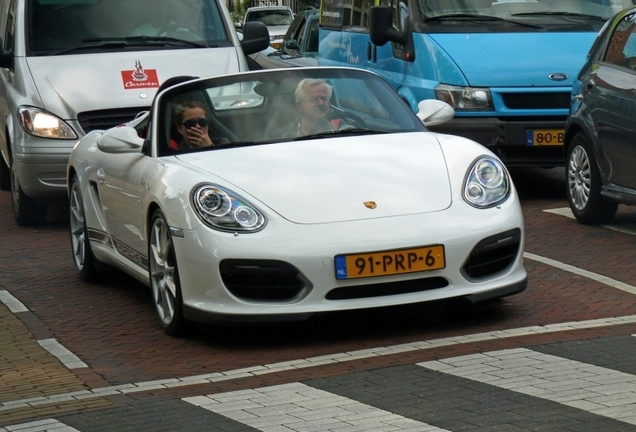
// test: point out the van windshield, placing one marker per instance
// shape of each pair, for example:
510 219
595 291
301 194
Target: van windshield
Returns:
541 11
80 26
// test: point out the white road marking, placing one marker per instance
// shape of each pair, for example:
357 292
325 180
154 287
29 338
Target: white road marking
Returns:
67 358
591 388
588 274
301 408
14 305
48 425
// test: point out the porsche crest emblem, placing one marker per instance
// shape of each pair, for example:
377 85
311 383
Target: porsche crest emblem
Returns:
370 204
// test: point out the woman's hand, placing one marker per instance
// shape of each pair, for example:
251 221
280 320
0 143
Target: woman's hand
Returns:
198 138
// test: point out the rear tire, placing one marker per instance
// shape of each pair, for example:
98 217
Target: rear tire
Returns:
83 257
584 184
26 211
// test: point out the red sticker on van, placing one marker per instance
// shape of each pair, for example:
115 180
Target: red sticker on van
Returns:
139 77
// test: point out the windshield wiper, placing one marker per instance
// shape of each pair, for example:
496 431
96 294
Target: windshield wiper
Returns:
125 42
561 14
476 17
347 131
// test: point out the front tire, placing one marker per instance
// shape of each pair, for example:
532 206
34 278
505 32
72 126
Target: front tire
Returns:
26 211
584 184
83 257
164 276
5 176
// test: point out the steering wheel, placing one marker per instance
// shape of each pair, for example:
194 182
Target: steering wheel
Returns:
351 118
174 27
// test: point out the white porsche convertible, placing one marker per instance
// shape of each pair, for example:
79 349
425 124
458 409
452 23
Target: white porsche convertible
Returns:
274 195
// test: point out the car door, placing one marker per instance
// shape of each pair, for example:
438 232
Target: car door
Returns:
121 178
612 103
294 33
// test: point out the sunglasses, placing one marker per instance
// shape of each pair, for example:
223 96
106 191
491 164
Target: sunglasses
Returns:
203 122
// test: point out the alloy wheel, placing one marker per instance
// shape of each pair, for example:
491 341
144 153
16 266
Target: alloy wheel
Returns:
163 278
579 177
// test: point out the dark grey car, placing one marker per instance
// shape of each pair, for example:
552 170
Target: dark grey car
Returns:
600 141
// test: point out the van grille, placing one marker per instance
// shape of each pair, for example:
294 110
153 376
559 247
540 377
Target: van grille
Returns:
536 100
105 119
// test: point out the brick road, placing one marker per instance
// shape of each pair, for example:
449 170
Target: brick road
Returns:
110 329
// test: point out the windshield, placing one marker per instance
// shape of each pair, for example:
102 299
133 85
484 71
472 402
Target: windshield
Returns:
274 17
269 107
79 26
524 9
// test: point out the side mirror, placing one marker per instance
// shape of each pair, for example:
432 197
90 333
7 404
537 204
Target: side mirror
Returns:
381 31
433 112
255 37
122 139
292 44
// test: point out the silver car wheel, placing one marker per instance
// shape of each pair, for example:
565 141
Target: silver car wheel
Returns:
579 177
85 261
162 271
78 233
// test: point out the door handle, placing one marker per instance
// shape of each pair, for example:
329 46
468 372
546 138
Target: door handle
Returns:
101 175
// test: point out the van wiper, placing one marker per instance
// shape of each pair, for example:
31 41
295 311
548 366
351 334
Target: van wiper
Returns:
132 41
477 17
561 14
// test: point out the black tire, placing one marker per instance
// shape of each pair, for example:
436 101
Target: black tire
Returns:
5 176
85 261
26 211
584 184
164 276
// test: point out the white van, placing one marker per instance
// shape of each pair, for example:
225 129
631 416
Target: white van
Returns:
71 66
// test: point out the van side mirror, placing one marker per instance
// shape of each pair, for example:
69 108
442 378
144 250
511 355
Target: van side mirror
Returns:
255 37
381 31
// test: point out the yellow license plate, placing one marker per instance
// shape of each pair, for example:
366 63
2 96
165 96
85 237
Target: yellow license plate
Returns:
390 262
545 137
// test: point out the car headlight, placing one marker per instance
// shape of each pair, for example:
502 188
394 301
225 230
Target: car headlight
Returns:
465 98
226 211
487 183
40 123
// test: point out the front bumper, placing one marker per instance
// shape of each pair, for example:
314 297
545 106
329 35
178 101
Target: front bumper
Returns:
310 250
40 166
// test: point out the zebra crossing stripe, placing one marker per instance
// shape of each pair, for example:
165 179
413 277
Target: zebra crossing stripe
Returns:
598 390
298 407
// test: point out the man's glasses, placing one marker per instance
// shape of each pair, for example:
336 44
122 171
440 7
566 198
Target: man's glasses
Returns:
316 99
203 122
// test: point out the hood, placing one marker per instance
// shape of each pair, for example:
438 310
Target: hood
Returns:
517 59
71 84
329 180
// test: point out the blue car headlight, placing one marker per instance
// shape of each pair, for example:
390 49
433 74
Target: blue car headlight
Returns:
487 183
226 211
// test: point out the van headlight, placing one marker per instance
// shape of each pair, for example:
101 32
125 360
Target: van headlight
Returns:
224 210
487 183
465 98
40 123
